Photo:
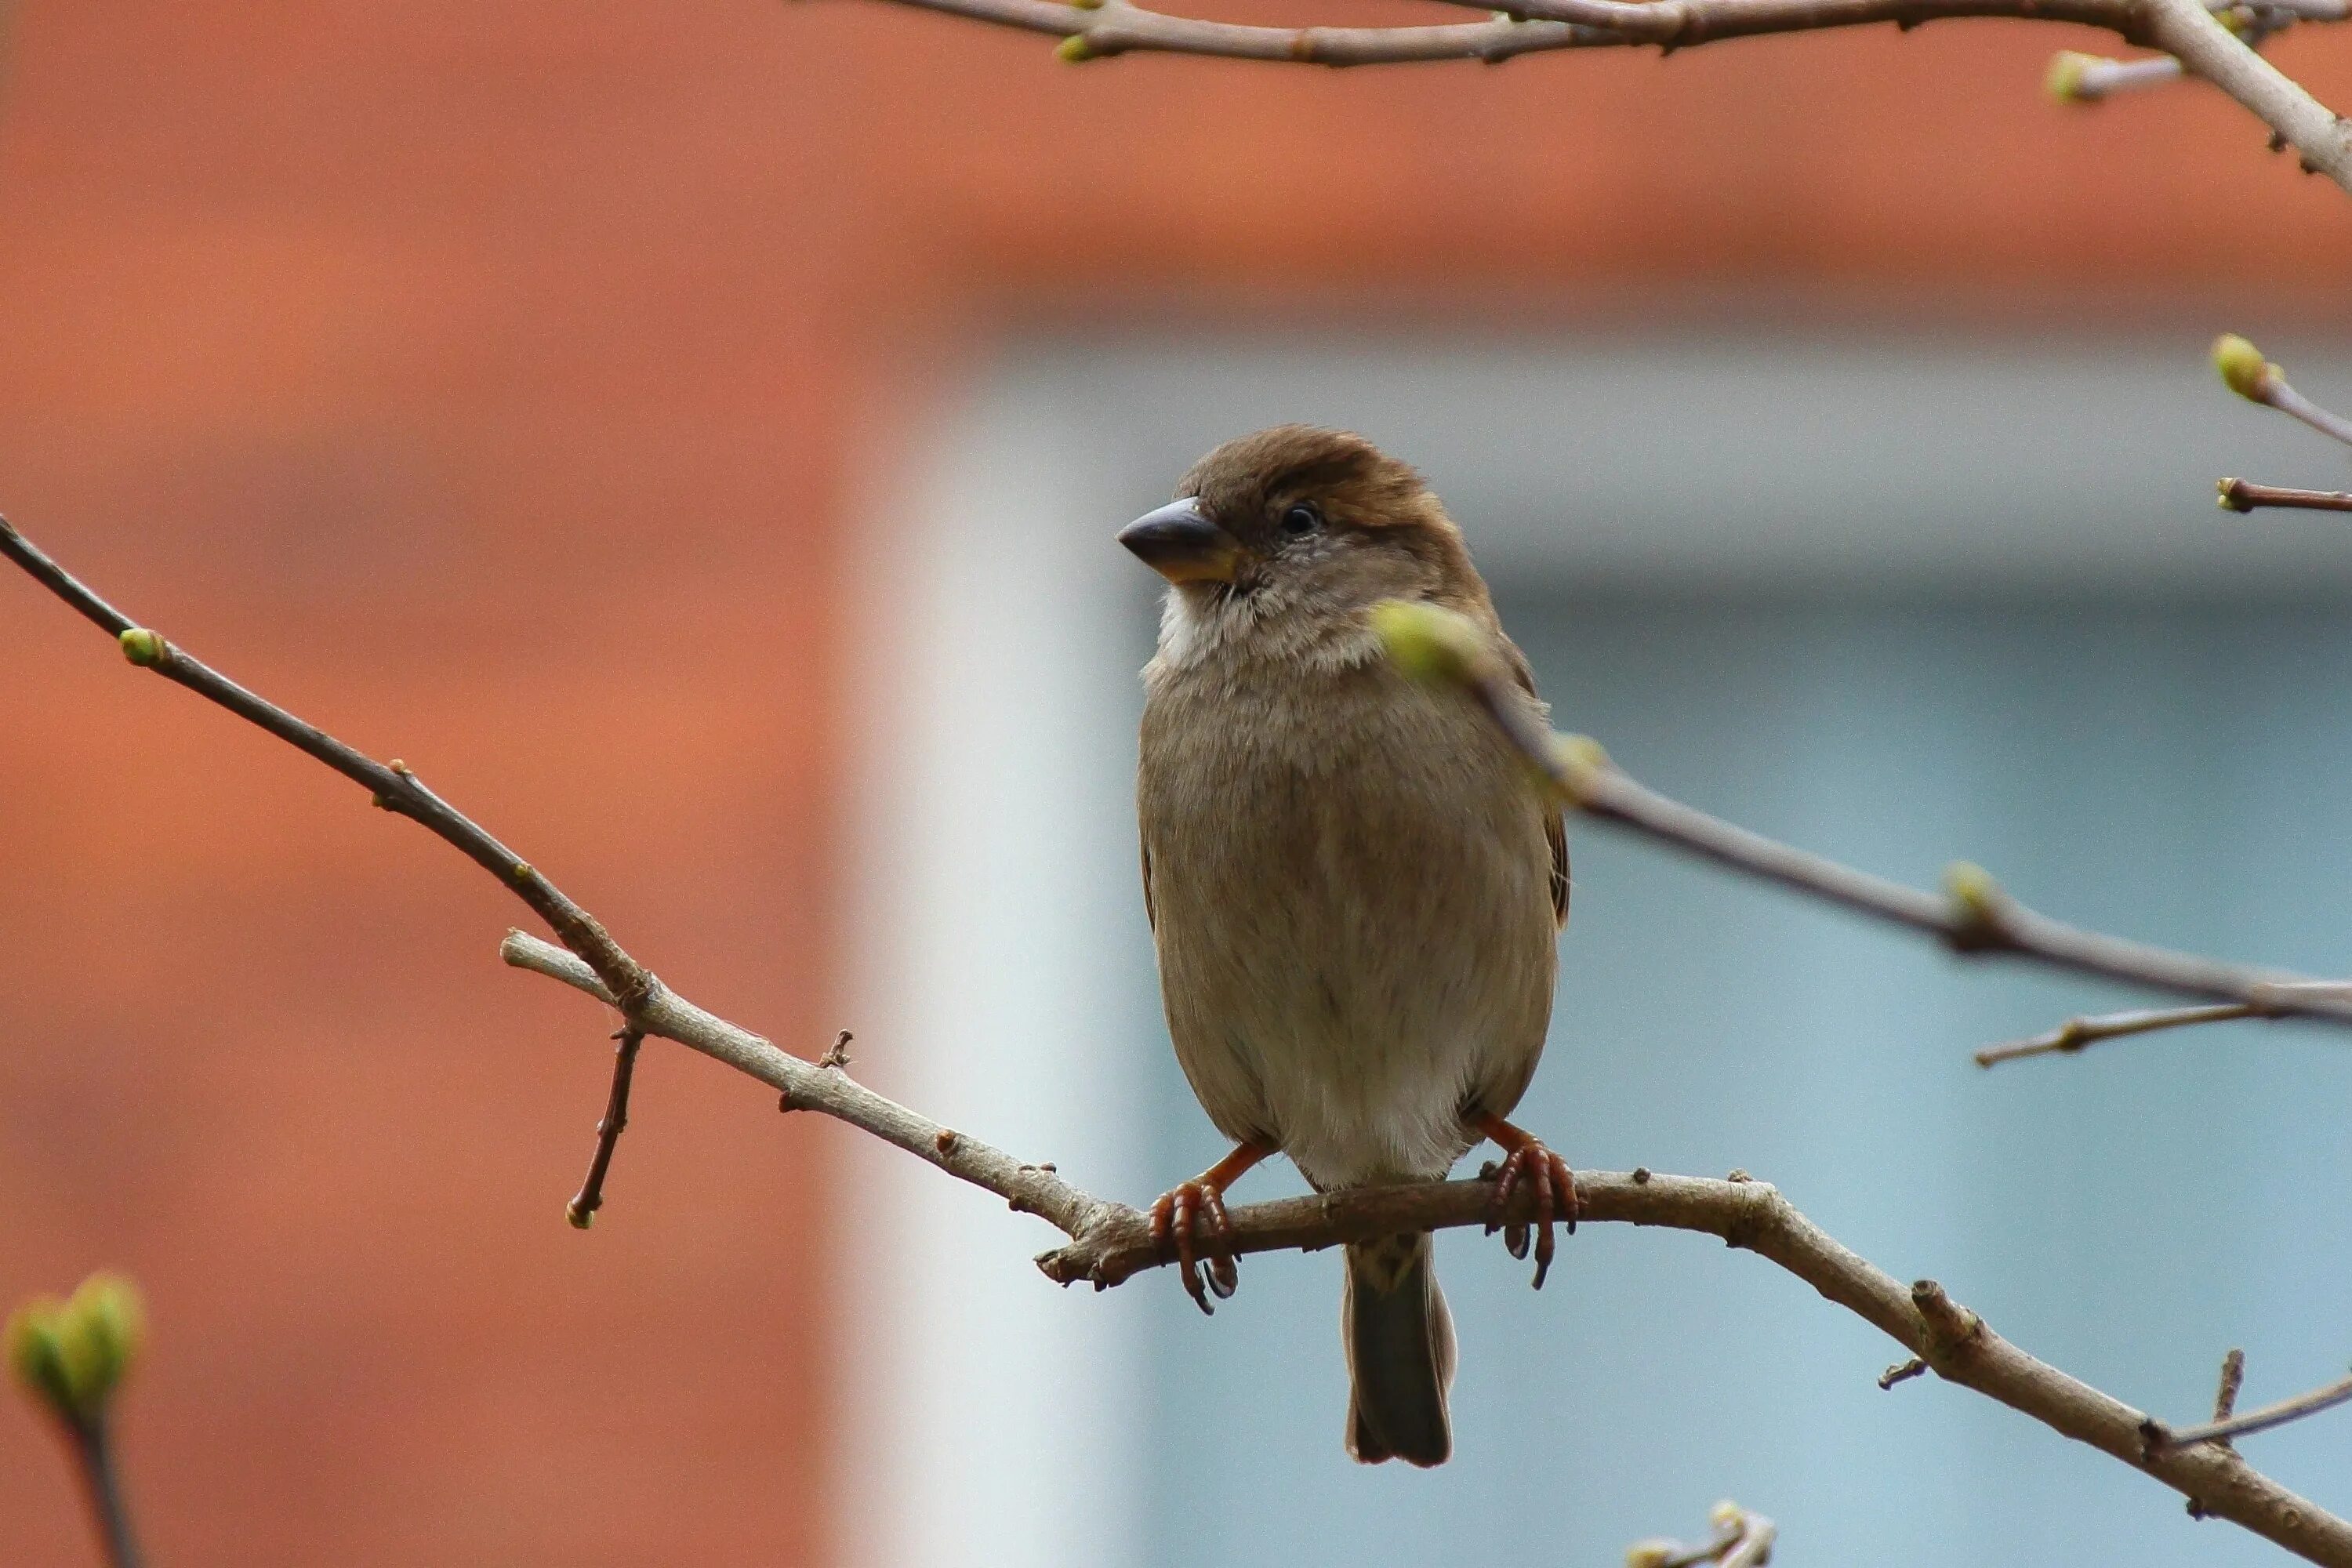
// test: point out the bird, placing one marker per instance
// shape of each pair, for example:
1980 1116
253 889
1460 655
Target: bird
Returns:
1354 884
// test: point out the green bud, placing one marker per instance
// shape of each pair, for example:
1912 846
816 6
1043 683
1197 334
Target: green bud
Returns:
2230 498
113 1322
36 1353
2063 81
74 1353
1575 759
1074 48
143 648
1977 899
1652 1553
1726 1515
2243 368
1428 643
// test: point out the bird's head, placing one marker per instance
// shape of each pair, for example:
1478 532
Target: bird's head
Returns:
1297 527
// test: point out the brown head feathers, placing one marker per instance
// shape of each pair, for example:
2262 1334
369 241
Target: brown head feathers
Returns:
1274 488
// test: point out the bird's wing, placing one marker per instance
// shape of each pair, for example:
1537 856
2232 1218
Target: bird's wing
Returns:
1555 826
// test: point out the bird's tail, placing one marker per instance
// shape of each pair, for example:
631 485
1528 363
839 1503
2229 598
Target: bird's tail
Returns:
1400 1342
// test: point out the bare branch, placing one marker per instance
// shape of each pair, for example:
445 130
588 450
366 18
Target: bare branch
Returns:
2074 1034
2242 495
1750 1541
582 1210
1972 917
2246 372
1109 1242
1117 27
2185 29
1525 26
2220 1430
2233 1378
1742 1540
395 787
2077 78
828 1087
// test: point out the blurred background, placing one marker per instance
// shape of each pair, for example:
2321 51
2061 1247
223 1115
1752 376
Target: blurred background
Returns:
691 436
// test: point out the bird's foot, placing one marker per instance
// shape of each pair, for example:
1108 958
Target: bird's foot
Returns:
1181 1218
1528 1164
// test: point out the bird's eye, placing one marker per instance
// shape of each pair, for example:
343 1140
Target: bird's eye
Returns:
1301 519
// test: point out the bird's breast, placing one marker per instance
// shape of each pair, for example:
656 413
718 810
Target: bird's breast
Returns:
1349 884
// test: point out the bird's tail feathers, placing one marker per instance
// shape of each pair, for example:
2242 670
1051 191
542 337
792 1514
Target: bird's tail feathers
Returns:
1400 1343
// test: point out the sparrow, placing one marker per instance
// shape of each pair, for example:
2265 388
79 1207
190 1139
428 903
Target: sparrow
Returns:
1354 885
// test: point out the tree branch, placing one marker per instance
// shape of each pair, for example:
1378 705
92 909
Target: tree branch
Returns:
2244 371
2225 1427
1972 916
1742 1540
2185 29
582 1210
807 1086
394 786
1109 1242
2074 1034
2078 77
2243 495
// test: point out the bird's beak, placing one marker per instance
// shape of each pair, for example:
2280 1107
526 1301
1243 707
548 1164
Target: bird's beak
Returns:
1180 543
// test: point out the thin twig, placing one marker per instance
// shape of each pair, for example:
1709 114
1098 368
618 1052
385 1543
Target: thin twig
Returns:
1750 1544
2220 1430
806 1085
1109 1242
2244 371
2326 421
1901 1372
2233 1378
582 1210
2089 1029
1972 917
93 1445
2185 29
2076 1033
2243 495
395 786
2225 1404
1742 1540
2078 77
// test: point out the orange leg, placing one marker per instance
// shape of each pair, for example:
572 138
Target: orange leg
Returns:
1199 1204
1549 1183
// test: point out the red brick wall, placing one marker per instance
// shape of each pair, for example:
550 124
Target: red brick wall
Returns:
487 383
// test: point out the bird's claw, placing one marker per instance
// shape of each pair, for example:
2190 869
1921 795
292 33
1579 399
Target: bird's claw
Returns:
1179 1216
1551 1188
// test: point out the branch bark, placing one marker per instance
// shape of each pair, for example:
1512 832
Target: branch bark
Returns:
2185 29
1109 1242
1972 916
2225 1426
2244 495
